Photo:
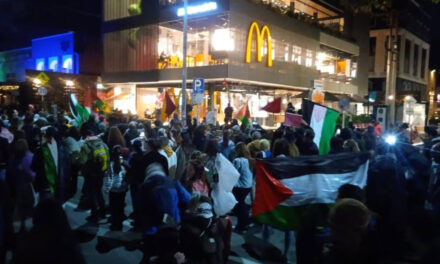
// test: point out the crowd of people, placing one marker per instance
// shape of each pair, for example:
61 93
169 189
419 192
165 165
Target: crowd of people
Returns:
169 173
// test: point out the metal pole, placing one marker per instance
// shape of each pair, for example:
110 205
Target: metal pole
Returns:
184 69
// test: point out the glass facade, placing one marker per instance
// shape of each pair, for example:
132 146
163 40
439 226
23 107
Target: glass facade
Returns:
117 9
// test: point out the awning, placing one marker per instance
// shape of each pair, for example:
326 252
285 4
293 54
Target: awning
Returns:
329 97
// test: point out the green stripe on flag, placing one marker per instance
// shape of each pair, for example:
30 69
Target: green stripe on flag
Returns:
328 131
287 218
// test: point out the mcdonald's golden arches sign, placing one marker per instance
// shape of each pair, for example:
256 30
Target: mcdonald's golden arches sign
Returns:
260 35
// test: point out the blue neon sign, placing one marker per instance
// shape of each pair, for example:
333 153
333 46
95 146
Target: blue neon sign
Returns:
197 9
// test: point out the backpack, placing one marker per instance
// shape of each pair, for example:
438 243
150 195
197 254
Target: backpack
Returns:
99 153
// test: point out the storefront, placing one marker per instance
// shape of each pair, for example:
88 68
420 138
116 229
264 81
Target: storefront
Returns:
241 59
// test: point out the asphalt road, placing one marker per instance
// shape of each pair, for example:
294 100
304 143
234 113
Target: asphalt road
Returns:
101 245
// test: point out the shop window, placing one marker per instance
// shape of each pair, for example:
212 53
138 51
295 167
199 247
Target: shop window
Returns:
309 58
296 54
416 60
407 56
423 69
341 67
53 64
39 64
68 64
286 53
223 40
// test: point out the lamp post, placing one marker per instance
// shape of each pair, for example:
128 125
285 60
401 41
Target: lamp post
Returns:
184 68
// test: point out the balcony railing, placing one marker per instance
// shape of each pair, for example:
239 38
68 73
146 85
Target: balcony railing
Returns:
330 25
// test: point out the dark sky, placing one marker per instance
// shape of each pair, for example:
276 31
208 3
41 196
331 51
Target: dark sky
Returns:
22 20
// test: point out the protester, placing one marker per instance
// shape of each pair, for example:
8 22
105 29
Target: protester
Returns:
196 180
158 202
306 146
202 234
46 164
135 173
168 153
244 165
118 188
226 145
19 177
228 114
183 152
265 149
94 157
336 145
115 138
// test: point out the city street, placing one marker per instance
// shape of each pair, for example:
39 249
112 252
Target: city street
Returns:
101 245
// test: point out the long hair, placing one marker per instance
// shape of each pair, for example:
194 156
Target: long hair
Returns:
115 158
242 151
115 137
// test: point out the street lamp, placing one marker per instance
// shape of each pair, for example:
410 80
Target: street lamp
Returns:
36 82
184 68
69 83
391 97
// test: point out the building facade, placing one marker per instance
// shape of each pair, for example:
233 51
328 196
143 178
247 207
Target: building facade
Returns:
411 46
245 50
58 57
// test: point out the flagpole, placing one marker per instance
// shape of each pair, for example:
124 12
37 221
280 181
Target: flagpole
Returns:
184 69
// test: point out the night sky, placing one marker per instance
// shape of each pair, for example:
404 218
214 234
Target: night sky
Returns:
22 20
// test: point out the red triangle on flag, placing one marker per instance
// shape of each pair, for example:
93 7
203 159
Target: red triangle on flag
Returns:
273 107
244 111
170 106
270 192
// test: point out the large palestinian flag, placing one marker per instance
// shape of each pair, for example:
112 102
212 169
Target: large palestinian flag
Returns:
323 121
287 187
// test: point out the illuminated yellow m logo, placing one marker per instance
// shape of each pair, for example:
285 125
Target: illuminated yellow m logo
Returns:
261 34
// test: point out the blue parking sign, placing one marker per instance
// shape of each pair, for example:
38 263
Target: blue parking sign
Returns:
198 85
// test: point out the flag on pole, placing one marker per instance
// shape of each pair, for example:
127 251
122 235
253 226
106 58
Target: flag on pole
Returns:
274 106
287 187
323 122
292 120
244 115
168 107
80 114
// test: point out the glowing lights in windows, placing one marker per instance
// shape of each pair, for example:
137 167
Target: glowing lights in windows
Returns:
39 64
309 58
223 40
296 54
68 63
53 64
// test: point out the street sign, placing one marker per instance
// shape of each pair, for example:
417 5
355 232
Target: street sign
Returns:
197 98
317 84
198 85
42 91
344 104
43 78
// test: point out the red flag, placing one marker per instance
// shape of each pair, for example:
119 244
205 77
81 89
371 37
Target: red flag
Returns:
292 120
273 107
244 111
274 191
170 106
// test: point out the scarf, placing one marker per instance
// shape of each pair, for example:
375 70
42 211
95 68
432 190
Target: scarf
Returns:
168 151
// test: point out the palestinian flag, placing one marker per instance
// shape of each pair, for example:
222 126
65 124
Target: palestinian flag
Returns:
287 187
323 122
244 115
80 113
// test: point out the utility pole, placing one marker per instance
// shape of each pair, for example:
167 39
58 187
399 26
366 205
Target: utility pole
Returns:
392 52
184 69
